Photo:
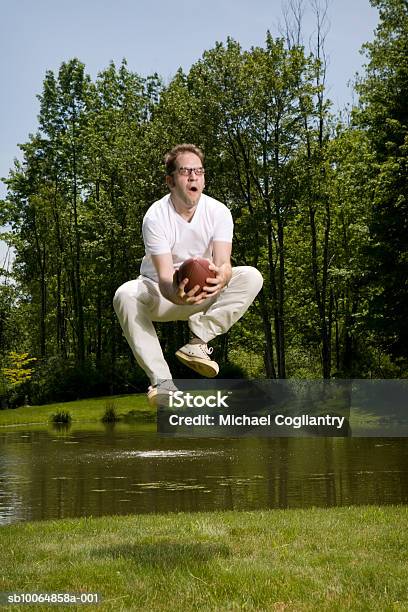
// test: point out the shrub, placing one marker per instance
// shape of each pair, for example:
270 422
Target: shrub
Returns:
61 380
62 416
110 415
232 370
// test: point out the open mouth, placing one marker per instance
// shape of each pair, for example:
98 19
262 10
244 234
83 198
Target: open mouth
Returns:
193 189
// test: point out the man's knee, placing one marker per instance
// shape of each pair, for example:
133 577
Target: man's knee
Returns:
253 279
256 279
122 295
133 296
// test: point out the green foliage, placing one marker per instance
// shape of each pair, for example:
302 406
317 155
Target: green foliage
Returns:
17 372
319 208
11 323
62 379
383 113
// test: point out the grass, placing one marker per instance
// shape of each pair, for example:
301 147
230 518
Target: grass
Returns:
128 407
315 559
284 560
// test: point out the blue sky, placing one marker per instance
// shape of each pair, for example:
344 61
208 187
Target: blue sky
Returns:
154 36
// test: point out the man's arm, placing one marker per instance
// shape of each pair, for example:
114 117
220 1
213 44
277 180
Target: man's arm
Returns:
168 285
221 267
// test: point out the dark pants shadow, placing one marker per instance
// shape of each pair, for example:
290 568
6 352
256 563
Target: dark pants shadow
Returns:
165 554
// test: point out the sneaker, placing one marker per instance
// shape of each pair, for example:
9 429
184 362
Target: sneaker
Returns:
159 393
196 357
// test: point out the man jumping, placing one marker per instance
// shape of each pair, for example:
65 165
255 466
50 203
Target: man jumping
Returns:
185 223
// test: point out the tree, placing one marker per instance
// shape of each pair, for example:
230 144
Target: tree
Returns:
75 206
18 371
250 112
383 113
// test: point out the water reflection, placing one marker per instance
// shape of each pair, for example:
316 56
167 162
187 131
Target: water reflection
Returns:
129 469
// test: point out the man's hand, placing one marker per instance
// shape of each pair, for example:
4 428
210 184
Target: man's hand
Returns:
169 285
173 290
194 296
222 277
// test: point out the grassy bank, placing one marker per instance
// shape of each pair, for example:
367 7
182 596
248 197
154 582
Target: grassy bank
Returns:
315 559
127 407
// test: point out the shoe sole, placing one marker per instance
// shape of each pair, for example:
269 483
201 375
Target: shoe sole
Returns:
204 367
156 398
152 398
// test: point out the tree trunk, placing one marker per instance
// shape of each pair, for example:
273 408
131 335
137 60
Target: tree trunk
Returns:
268 353
281 302
41 262
77 270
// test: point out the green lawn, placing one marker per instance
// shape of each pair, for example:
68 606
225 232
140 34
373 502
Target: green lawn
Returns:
315 559
127 406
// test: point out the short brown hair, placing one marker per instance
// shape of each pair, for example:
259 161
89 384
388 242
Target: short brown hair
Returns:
171 157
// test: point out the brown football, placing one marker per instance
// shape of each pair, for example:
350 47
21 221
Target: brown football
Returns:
197 271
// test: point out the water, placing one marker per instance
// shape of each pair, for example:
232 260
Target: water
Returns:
48 474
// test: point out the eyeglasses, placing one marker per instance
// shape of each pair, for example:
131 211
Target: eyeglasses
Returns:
187 171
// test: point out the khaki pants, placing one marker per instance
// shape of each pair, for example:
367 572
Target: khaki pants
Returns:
139 302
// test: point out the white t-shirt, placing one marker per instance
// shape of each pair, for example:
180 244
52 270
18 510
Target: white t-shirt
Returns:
165 231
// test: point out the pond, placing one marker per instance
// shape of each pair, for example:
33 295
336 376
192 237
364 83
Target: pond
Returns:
100 470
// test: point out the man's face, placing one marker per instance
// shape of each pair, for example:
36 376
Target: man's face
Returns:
187 188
